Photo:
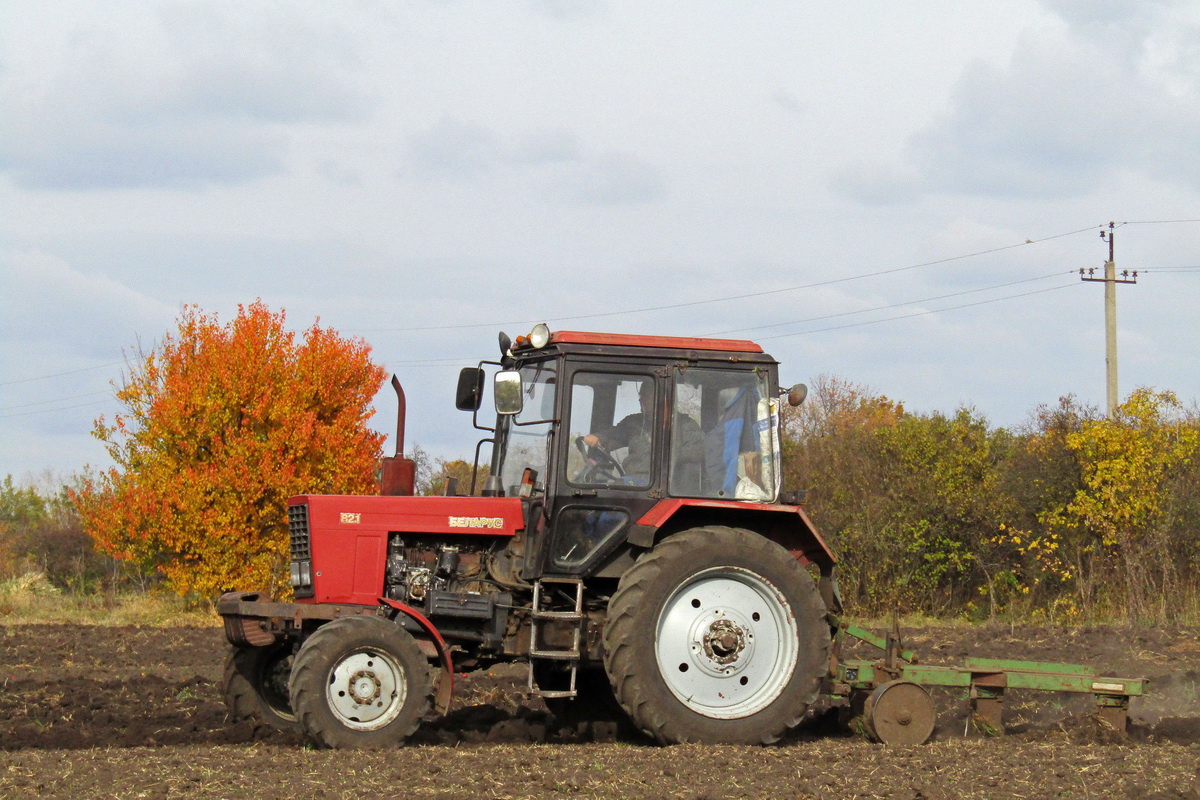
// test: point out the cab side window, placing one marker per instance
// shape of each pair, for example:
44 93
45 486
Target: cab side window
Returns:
724 437
612 426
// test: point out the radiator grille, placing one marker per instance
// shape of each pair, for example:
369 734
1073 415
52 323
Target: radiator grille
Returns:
298 530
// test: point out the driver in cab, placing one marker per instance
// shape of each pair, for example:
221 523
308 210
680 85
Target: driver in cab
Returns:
636 433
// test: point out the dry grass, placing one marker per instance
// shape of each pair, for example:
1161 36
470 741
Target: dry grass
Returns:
914 622
30 599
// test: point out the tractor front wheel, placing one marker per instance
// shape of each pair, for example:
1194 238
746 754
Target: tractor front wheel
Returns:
717 635
255 685
360 682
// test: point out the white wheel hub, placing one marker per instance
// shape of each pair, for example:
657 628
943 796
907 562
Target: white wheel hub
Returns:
366 690
726 643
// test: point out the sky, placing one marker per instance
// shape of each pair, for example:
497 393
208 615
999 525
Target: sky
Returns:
897 194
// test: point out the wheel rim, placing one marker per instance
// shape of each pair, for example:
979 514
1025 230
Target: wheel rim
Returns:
366 690
726 643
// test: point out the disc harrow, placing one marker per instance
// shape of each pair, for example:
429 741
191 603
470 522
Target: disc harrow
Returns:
892 691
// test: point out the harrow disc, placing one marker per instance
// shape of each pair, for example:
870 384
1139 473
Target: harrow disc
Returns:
900 713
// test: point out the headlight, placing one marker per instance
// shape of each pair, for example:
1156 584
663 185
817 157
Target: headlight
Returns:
539 337
300 573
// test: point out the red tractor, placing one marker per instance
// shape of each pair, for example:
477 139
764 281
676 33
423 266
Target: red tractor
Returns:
630 543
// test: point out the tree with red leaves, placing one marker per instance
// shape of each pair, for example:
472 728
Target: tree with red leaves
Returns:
222 424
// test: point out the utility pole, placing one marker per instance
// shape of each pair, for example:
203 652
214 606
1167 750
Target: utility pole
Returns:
1110 281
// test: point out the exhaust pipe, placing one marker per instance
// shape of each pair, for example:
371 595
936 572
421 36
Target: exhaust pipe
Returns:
399 475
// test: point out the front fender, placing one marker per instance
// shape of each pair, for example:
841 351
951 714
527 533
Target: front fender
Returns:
446 678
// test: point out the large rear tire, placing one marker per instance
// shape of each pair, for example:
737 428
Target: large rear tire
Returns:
360 682
255 685
717 635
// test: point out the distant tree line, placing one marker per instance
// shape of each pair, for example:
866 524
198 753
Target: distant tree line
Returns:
42 535
1070 516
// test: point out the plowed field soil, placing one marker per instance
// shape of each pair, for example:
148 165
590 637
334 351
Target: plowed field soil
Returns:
97 712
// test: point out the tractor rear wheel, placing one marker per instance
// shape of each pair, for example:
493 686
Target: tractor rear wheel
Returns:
717 635
255 685
360 682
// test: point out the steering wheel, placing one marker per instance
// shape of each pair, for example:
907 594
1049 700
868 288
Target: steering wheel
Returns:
598 463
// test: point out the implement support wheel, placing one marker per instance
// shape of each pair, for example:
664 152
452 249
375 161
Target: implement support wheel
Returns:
900 713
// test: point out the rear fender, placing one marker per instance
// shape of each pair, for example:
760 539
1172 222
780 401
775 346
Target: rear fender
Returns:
446 678
788 526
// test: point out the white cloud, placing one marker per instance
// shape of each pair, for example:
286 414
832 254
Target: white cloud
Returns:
1113 16
545 147
568 9
186 98
1073 107
551 163
46 300
454 149
610 179
102 156
263 62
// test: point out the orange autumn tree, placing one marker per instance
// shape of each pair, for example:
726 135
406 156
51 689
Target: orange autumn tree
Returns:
222 424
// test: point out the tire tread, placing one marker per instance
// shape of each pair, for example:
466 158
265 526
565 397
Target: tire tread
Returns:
621 627
307 699
242 698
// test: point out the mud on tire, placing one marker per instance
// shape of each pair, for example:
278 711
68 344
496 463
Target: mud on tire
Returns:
255 685
716 635
360 682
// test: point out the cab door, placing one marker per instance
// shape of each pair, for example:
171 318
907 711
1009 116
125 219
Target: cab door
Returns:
602 489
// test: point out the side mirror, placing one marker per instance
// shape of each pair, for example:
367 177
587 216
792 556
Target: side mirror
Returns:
470 389
509 397
797 394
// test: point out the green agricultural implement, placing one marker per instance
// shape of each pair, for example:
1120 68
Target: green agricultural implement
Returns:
891 693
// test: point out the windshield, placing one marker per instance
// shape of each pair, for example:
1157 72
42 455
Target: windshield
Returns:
524 445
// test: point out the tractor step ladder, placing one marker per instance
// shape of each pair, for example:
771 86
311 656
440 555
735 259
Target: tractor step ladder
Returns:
539 650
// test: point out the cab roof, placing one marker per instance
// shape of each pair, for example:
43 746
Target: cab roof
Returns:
671 342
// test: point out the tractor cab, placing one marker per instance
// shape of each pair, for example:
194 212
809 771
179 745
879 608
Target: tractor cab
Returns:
596 431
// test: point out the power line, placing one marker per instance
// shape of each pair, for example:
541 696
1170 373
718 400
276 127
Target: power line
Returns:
56 400
52 410
896 305
435 362
1157 221
919 313
450 363
60 374
728 298
442 363
647 309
